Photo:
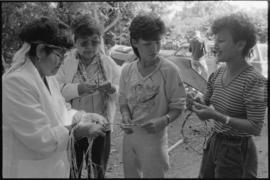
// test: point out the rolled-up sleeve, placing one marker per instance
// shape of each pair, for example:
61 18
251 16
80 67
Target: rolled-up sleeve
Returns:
24 114
255 101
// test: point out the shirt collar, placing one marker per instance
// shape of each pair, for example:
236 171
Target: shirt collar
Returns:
95 60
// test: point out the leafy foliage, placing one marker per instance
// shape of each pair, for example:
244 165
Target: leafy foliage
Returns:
181 18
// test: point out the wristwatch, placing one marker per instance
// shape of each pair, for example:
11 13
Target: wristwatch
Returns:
168 118
227 120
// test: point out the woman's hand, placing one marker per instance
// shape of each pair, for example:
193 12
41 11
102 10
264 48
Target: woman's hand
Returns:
85 88
107 87
91 125
191 98
126 120
203 112
94 118
155 125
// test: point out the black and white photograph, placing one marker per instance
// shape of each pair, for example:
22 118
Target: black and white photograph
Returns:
135 89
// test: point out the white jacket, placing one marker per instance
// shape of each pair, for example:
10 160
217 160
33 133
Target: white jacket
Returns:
70 90
34 136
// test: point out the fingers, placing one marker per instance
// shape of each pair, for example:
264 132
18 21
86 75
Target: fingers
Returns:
127 129
149 127
105 87
94 118
77 117
145 125
96 130
112 90
194 109
90 88
200 106
101 133
126 120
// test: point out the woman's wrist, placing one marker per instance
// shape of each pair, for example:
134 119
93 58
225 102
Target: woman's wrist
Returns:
220 117
167 118
124 114
124 110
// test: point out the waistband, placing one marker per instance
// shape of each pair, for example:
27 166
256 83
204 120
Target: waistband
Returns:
230 137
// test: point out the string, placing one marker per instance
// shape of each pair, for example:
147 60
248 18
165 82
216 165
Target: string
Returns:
186 138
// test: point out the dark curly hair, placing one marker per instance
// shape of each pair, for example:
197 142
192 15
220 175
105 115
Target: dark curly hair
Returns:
85 25
47 31
146 26
240 27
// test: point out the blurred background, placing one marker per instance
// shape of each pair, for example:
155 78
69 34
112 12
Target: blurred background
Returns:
182 18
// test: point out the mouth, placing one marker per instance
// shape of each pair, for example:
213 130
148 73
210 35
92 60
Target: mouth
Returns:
217 53
89 52
152 55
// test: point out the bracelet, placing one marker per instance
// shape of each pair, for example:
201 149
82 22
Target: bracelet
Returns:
168 118
228 119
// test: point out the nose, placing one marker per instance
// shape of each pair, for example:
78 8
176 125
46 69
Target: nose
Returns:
215 45
155 47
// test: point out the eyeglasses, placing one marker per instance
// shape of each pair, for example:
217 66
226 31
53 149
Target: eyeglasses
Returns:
86 41
58 54
92 42
48 45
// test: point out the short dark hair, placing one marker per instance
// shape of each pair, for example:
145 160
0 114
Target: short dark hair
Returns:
146 26
85 25
48 31
240 27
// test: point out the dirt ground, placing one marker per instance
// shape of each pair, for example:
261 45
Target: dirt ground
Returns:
184 163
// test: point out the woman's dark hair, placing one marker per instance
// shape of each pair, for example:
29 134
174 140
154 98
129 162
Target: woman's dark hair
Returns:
240 27
47 31
146 26
85 25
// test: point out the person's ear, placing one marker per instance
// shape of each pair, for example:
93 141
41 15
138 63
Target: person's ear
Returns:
134 42
40 51
240 45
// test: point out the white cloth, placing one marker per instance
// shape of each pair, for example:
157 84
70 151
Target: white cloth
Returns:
34 136
19 57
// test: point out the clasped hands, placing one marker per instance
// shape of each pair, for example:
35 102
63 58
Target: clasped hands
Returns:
196 104
86 88
152 126
89 125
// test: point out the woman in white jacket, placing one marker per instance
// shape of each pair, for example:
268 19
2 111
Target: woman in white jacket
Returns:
36 121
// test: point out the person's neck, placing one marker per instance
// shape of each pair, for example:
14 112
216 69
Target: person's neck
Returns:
34 61
236 65
148 64
87 60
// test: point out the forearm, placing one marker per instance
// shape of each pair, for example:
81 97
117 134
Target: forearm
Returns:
173 114
124 109
70 91
242 125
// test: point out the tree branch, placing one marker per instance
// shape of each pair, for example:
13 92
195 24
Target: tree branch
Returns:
113 23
